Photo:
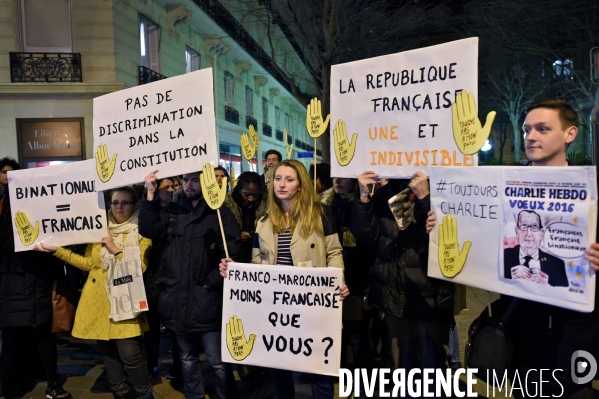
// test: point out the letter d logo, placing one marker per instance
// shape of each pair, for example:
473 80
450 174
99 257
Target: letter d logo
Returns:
579 366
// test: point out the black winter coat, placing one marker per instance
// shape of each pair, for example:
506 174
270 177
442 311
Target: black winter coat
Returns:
399 284
25 280
190 286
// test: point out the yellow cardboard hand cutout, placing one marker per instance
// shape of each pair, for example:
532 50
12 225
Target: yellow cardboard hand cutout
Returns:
344 150
254 136
314 123
213 194
247 148
288 148
451 260
239 346
104 166
27 233
468 133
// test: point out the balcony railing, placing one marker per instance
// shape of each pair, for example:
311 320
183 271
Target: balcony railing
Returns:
231 115
266 130
45 67
219 14
250 120
279 135
146 75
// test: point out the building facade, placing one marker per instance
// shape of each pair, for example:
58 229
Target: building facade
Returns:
57 55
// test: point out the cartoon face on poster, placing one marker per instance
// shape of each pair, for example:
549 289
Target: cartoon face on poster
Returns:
544 233
400 113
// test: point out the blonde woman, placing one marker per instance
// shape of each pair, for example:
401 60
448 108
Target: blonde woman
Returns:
118 341
297 227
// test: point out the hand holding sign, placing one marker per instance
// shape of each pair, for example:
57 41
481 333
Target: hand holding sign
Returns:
288 148
27 233
104 166
451 260
239 347
344 150
212 192
468 133
247 148
316 127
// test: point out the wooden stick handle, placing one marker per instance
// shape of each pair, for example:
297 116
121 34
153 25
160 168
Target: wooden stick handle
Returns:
222 232
314 164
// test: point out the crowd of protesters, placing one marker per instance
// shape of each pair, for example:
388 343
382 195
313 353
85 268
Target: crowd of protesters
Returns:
392 309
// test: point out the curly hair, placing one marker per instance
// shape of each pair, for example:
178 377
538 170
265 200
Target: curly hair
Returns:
249 178
6 161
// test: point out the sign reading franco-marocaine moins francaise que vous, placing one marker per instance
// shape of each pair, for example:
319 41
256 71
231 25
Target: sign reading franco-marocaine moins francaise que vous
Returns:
283 317
519 231
167 125
399 108
56 205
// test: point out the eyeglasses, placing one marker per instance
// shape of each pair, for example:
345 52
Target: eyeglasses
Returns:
123 203
525 227
253 195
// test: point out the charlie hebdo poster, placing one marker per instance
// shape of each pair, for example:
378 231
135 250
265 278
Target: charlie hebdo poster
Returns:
520 231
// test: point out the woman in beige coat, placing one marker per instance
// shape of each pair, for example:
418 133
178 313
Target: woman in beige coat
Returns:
297 228
115 339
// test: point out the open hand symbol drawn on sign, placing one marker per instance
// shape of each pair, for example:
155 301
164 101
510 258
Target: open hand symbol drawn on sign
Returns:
314 123
212 192
254 136
468 133
104 166
247 147
344 149
451 260
27 233
288 148
239 347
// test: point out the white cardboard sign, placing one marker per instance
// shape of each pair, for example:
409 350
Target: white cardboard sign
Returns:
56 205
519 231
167 125
282 317
400 107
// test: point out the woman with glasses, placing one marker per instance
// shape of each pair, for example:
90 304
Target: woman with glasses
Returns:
248 204
118 342
296 228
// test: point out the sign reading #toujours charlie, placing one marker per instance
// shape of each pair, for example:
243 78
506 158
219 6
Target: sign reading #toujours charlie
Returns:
167 125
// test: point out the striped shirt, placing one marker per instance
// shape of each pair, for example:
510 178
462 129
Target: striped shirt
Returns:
284 249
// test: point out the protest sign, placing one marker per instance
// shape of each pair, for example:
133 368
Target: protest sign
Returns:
283 317
520 231
56 205
167 125
393 114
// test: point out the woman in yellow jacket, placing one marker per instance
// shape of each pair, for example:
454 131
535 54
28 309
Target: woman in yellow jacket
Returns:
115 339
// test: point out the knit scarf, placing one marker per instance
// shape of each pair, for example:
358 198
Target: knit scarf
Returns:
117 231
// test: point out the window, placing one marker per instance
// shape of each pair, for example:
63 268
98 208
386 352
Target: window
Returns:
46 26
249 101
192 60
148 44
562 70
277 114
287 124
264 110
229 89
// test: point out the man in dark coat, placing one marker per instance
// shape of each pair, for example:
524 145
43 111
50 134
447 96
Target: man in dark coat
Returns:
526 261
190 298
26 280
